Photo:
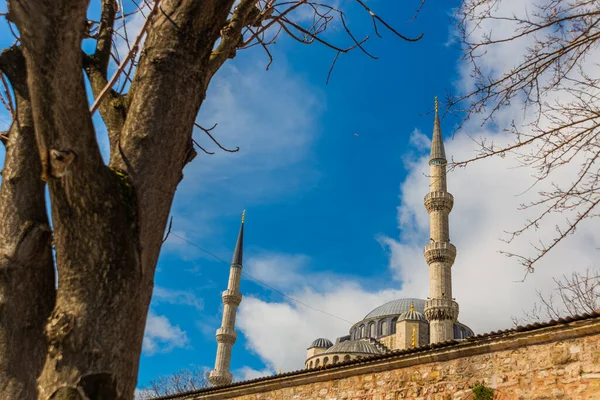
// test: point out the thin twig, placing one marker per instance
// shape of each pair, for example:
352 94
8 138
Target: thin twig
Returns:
168 230
131 53
8 101
207 131
202 148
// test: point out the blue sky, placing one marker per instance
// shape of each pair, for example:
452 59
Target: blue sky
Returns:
335 220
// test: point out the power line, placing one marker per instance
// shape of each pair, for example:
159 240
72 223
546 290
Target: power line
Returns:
263 283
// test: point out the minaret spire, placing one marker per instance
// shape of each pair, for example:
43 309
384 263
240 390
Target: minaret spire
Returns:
440 310
437 144
232 298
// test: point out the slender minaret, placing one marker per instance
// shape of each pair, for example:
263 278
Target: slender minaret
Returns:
440 310
226 334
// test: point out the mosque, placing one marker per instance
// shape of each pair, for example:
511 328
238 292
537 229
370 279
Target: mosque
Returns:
396 325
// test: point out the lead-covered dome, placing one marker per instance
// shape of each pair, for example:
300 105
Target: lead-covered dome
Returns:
321 343
397 307
381 321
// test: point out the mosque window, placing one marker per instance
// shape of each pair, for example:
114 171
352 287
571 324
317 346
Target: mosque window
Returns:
393 325
383 328
347 357
310 364
317 362
372 330
361 332
336 359
325 361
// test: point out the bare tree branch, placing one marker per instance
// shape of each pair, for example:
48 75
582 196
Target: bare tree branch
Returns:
559 90
574 295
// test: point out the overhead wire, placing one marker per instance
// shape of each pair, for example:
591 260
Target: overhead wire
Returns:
261 282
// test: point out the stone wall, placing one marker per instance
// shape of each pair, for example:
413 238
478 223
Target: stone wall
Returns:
561 361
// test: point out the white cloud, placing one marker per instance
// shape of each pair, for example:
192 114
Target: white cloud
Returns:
486 204
272 116
246 373
280 331
280 270
161 336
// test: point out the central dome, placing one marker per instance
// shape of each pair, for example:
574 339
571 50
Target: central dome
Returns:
397 307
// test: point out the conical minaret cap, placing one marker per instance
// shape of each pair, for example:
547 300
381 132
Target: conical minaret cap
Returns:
437 144
239 246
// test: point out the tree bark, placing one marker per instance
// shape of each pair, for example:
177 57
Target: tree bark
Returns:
27 278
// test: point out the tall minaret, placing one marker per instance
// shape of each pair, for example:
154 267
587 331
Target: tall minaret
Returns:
440 310
226 334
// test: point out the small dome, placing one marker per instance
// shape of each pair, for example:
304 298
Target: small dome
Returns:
412 315
321 343
354 346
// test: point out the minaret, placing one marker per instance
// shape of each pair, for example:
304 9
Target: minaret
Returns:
226 334
440 310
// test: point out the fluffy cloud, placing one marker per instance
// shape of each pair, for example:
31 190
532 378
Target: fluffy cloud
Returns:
487 198
161 336
272 117
280 332
247 373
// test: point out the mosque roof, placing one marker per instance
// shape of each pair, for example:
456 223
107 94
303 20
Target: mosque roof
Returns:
354 346
321 343
397 307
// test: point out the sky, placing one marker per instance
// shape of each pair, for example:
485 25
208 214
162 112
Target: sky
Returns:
332 178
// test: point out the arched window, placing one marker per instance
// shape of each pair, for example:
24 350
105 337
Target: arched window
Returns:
317 362
393 325
335 359
325 361
347 357
372 330
384 328
361 332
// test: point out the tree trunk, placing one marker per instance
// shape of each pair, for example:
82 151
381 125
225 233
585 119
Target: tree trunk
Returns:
108 221
27 281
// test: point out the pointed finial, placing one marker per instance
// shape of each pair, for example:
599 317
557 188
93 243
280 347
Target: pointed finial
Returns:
239 245
438 155
412 306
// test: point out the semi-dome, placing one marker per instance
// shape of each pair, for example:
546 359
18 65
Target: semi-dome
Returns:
321 343
397 307
354 346
412 315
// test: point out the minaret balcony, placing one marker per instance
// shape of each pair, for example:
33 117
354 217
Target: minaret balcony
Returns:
232 297
443 252
441 309
226 335
439 201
